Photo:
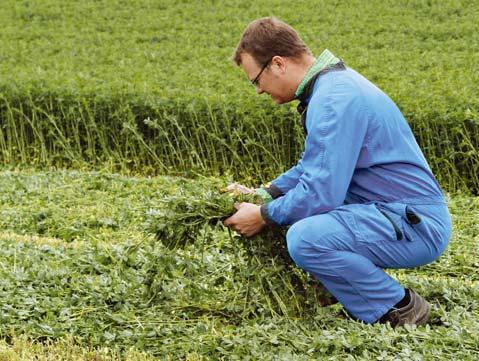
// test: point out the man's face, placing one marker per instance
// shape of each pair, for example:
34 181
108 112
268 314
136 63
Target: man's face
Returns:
273 79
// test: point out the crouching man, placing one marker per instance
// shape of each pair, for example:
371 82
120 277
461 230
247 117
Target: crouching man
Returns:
362 198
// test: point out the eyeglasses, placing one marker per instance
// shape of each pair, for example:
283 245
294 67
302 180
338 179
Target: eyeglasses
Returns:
255 81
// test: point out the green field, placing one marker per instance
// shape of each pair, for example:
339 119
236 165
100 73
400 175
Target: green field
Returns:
119 122
79 260
148 86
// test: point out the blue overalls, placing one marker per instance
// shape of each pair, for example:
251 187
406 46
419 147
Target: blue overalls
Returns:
362 197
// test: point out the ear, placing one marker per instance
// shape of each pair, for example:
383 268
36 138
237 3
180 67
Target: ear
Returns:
280 63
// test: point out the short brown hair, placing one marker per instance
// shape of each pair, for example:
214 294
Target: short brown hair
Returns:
266 37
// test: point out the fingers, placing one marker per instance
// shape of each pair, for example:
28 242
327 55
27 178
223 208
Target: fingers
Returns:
247 220
229 188
228 222
237 188
231 223
238 205
244 190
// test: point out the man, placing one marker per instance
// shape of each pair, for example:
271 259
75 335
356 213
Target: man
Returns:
362 197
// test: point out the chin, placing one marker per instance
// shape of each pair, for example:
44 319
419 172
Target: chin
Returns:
281 95
278 100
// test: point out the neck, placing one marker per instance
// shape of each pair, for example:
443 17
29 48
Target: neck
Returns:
325 60
303 68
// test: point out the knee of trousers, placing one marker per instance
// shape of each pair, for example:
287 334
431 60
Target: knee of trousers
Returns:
299 248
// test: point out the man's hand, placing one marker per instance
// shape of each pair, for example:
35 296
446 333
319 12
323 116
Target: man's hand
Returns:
237 188
247 221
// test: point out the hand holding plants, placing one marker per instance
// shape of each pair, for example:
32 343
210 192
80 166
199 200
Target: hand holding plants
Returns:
247 220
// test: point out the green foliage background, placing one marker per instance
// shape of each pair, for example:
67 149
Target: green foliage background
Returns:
148 86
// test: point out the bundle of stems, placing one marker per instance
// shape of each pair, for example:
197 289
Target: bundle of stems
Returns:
186 218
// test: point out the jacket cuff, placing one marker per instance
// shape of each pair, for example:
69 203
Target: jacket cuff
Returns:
264 195
266 217
274 191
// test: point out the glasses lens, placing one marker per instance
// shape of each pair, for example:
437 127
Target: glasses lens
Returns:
255 81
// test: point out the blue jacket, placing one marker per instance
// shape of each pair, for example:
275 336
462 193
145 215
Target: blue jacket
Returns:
358 148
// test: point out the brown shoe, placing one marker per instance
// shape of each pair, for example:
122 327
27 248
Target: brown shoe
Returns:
415 313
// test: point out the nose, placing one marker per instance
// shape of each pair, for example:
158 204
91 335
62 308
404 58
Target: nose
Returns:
258 89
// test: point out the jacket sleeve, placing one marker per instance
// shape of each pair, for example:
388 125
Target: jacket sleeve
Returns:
288 179
337 123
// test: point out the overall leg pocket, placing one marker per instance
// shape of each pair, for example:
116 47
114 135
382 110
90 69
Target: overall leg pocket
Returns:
400 218
412 224
409 224
429 223
379 221
373 223
397 230
378 229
